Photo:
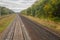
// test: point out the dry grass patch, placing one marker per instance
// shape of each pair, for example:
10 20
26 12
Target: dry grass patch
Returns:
4 22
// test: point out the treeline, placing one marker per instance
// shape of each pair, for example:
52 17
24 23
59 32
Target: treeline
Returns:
49 9
5 11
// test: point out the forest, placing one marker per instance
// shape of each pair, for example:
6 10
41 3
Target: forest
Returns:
48 9
5 11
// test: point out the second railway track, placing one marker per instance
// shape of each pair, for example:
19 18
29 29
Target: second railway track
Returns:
15 31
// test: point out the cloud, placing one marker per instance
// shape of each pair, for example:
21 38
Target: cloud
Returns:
16 5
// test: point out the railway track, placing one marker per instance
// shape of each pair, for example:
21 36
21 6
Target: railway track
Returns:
15 31
38 32
9 32
24 29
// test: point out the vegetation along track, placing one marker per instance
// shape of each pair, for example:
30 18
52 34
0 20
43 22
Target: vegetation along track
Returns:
38 32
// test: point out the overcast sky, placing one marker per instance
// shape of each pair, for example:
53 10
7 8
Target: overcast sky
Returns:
16 5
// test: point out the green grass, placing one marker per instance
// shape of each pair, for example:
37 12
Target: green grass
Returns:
5 22
3 26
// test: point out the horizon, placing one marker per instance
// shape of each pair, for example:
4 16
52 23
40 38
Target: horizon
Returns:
16 5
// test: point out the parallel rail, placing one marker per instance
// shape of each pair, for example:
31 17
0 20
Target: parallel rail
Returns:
11 32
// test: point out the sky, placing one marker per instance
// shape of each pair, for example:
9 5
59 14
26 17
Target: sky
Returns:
17 5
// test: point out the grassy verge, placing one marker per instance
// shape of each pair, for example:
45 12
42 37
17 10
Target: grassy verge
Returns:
46 22
4 22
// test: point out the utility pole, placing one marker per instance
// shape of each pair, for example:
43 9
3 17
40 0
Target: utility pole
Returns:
0 11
